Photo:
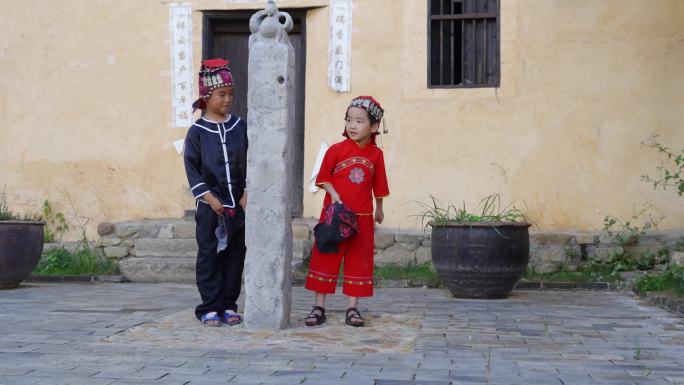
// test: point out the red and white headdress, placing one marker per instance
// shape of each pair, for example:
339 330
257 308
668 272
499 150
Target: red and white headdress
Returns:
369 104
373 107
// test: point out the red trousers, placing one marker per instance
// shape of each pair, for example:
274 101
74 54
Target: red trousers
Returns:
357 254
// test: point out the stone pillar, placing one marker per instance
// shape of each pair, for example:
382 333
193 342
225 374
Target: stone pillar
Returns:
270 123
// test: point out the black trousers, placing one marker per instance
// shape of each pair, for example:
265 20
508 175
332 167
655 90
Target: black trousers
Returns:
219 275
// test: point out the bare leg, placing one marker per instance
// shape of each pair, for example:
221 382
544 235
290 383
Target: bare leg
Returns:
352 302
320 299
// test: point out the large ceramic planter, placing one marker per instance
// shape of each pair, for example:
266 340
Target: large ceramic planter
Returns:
21 244
480 259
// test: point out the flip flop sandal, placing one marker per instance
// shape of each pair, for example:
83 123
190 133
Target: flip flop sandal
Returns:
228 315
354 314
314 319
211 316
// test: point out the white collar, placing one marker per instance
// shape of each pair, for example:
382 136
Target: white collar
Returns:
225 121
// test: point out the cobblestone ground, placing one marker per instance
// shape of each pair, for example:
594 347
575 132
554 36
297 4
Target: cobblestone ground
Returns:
146 334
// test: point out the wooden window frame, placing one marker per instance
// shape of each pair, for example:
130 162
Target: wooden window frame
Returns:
496 82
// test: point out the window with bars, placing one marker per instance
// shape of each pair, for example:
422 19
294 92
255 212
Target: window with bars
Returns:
463 39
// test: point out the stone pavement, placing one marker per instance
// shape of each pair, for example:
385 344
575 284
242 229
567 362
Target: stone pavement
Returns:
100 333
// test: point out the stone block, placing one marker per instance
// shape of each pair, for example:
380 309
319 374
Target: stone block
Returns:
413 239
105 228
409 236
677 258
604 253
116 252
550 238
608 240
301 250
423 255
590 252
586 238
49 246
546 268
150 247
149 229
631 276
426 242
384 239
667 238
301 231
165 231
302 247
184 230
180 270
639 251
395 255
539 255
660 267
126 229
109 240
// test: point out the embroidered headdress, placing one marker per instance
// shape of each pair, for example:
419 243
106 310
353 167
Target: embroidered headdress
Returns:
373 107
369 104
213 74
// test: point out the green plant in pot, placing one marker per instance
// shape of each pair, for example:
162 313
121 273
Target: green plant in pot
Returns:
480 253
21 243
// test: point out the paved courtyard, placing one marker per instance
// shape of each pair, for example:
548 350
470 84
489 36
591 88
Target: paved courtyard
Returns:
101 333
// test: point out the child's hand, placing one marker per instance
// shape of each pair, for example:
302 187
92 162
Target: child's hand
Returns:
379 215
215 204
335 197
243 201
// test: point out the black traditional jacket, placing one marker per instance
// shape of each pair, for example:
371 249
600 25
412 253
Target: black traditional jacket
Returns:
216 159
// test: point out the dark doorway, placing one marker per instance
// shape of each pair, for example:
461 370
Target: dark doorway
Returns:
226 34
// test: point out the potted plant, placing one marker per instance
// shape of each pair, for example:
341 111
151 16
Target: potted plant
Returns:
478 254
21 244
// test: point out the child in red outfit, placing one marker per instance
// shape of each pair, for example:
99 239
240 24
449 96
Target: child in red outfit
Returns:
352 172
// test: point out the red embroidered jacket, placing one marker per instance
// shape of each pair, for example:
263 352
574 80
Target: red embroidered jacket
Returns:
358 174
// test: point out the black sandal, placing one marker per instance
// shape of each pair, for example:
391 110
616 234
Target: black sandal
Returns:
315 319
353 313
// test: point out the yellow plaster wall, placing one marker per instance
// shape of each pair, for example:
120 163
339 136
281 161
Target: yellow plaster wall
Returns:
86 111
583 83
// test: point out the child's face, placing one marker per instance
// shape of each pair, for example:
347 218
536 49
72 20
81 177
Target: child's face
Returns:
358 126
220 100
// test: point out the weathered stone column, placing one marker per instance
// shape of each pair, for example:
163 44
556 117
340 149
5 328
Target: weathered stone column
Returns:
270 121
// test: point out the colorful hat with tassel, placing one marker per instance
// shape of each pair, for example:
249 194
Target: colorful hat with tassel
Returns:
373 107
213 74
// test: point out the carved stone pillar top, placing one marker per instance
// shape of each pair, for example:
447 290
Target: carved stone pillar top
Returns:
266 25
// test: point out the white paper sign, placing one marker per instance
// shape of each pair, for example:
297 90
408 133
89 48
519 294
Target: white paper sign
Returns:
180 23
317 167
339 50
179 145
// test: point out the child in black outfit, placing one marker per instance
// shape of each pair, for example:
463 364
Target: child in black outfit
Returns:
216 167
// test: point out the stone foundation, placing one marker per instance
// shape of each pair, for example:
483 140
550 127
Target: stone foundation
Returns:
164 250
